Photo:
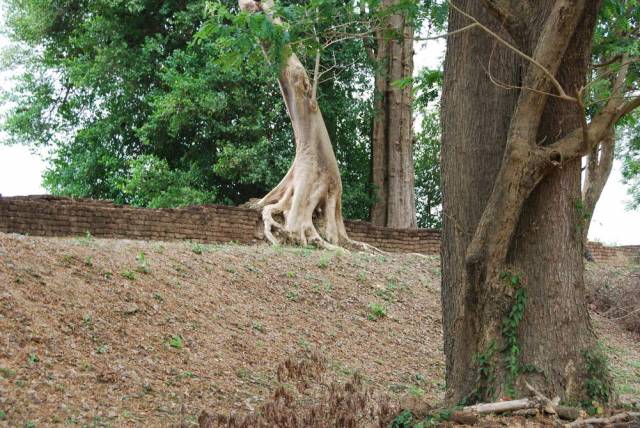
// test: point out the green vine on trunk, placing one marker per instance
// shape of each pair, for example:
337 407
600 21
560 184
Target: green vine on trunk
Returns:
510 325
486 376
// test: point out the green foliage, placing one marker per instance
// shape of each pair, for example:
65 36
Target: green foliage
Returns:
376 311
616 34
143 263
598 383
164 104
510 325
426 151
176 342
128 274
32 359
485 375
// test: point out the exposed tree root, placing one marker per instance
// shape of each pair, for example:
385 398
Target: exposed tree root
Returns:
308 200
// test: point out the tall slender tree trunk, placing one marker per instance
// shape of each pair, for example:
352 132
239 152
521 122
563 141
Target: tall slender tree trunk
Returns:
599 164
392 145
496 339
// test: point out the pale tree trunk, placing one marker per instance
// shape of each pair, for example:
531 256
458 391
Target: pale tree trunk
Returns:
513 293
598 168
392 143
309 197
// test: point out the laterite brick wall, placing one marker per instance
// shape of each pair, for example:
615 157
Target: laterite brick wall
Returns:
55 216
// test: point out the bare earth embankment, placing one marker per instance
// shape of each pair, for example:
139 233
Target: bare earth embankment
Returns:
131 333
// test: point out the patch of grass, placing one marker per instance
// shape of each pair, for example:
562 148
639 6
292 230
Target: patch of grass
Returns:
292 295
143 263
102 349
197 248
176 342
88 262
324 261
416 391
3 415
304 344
187 374
128 274
29 424
87 239
7 373
376 311
258 326
87 321
388 292
243 373
158 297
361 276
33 359
291 274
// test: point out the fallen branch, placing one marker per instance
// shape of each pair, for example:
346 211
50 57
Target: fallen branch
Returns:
621 417
502 406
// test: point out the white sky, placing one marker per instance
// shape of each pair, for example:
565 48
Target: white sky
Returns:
21 171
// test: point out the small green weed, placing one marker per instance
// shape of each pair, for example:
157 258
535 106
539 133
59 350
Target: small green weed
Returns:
304 344
7 373
388 292
89 262
87 321
87 239
176 342
128 274
102 349
258 326
324 261
376 311
33 359
197 248
143 263
292 295
158 297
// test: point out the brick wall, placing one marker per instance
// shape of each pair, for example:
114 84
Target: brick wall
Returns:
56 216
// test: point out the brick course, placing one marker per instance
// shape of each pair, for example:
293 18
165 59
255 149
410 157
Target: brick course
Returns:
57 216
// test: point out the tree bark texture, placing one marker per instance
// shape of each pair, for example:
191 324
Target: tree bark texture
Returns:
392 143
509 211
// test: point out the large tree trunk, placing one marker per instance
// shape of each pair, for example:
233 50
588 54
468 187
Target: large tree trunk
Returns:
392 144
309 197
511 228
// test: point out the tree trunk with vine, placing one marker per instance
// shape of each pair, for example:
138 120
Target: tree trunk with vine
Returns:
512 289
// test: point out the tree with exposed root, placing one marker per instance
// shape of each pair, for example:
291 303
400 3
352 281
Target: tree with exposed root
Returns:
514 132
309 197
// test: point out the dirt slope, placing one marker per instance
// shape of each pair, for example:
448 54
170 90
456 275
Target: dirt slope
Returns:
131 333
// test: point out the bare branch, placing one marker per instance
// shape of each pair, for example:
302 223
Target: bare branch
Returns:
550 76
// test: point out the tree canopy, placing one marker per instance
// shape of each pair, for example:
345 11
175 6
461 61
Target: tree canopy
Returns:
171 103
